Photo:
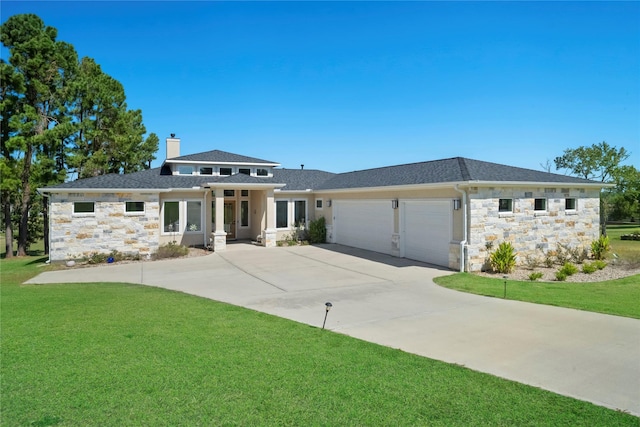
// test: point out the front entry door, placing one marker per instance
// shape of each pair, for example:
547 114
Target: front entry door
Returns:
230 218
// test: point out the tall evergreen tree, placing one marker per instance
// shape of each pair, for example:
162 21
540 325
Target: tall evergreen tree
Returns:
45 66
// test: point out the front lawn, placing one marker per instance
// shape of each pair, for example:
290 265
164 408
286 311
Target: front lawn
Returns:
618 297
120 354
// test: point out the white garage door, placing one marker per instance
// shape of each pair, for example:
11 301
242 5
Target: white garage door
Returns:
364 224
426 230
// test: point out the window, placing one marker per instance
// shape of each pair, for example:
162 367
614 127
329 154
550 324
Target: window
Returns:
194 216
206 171
540 205
244 193
262 172
282 220
300 212
570 204
134 207
225 171
229 193
171 217
185 170
318 203
244 171
244 213
83 207
505 205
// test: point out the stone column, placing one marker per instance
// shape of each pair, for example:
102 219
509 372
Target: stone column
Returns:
219 235
269 233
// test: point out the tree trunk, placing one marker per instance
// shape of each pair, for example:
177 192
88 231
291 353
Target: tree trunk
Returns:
23 228
45 217
8 229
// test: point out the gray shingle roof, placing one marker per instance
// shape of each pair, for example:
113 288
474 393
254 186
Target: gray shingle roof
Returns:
457 169
217 156
301 179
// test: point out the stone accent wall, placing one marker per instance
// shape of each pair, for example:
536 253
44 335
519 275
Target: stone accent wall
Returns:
532 233
108 228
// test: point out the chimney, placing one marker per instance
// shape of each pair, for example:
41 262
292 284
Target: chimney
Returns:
173 146
301 166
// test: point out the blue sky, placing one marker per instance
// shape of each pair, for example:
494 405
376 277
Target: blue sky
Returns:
343 86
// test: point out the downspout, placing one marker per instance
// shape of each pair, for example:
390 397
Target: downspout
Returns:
463 243
204 220
46 196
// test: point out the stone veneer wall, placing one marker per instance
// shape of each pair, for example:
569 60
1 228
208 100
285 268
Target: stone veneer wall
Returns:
532 233
108 228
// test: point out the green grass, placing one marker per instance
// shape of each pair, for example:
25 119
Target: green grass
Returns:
618 297
120 354
626 249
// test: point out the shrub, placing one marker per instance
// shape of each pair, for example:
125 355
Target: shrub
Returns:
600 247
171 250
569 269
561 276
503 260
599 264
318 230
589 268
97 258
535 276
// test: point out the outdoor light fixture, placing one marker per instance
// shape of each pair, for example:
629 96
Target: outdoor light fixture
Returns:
394 204
505 277
456 204
329 203
328 306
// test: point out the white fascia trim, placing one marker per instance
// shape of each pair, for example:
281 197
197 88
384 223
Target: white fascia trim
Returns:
103 190
308 190
534 184
231 186
197 162
387 188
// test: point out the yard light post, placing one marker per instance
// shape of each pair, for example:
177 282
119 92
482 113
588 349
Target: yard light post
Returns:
505 277
328 306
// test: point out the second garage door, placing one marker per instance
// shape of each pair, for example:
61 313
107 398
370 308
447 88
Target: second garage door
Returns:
426 230
365 224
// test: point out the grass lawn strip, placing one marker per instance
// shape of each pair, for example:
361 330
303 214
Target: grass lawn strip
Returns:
119 354
617 297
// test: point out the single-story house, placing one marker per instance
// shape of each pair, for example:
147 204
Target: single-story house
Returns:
446 212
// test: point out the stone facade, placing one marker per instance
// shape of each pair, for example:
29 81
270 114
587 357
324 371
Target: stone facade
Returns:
108 228
532 232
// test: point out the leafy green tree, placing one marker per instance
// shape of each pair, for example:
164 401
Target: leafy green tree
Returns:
601 162
625 199
110 138
45 67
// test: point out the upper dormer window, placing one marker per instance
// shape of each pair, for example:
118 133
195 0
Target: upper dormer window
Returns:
245 171
185 169
262 172
226 171
206 171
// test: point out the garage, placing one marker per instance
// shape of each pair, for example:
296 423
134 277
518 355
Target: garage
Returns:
426 230
364 224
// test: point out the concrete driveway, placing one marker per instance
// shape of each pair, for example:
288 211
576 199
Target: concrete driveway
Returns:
394 302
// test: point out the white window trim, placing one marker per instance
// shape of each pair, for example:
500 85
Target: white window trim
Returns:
289 216
505 214
293 211
544 212
135 213
244 199
182 217
73 207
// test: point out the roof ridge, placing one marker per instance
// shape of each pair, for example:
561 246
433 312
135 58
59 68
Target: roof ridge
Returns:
464 171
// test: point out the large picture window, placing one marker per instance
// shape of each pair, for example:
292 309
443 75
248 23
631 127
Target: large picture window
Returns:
300 212
194 216
282 214
171 217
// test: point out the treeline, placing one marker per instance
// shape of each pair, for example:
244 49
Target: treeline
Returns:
61 117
